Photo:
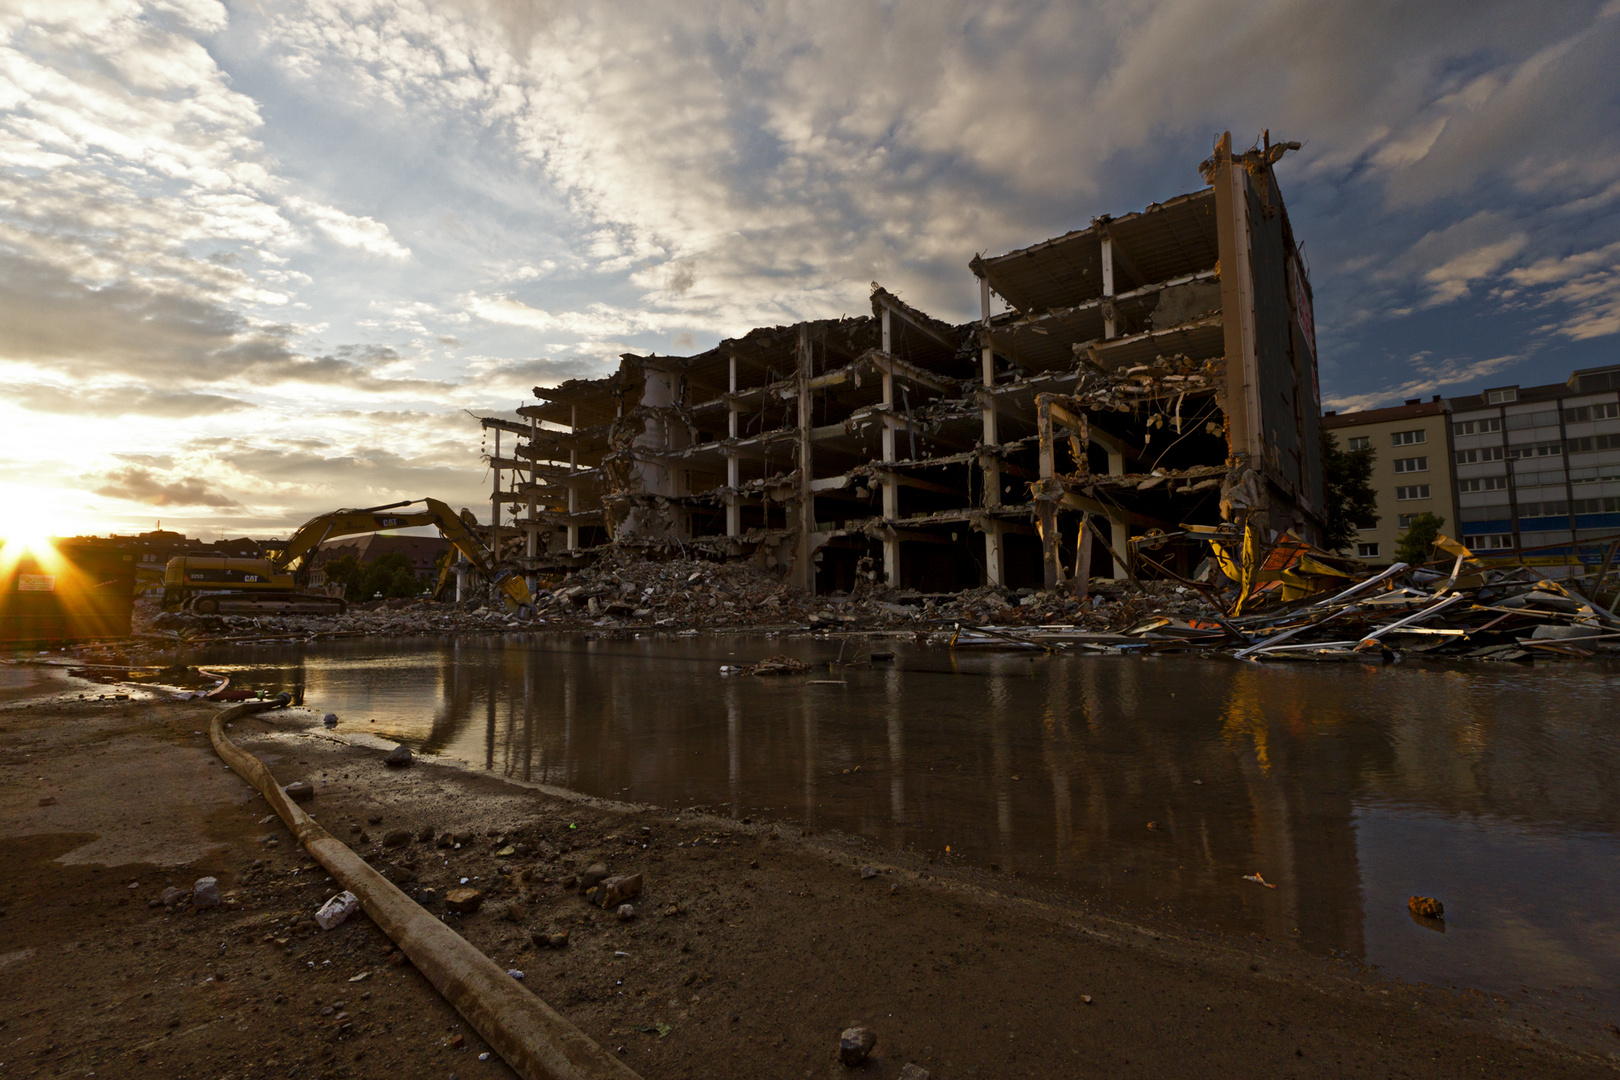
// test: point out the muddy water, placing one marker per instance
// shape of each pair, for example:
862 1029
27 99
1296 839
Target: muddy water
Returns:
1145 785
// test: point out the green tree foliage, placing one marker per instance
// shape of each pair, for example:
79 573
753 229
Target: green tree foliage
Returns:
347 571
391 576
1350 502
1417 543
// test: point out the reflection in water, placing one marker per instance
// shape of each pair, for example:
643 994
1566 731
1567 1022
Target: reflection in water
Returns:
1348 787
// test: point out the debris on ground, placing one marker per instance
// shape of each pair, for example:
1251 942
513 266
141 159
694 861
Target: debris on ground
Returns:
464 901
336 910
1427 907
855 1045
1269 597
205 893
771 665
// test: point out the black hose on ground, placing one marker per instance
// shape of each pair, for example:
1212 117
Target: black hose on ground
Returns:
537 1042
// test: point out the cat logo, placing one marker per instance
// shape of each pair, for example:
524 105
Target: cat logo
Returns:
388 523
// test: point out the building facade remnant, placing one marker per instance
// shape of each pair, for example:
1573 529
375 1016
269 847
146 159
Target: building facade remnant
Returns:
1123 380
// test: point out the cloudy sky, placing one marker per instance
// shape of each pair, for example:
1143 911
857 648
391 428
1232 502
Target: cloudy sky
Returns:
258 259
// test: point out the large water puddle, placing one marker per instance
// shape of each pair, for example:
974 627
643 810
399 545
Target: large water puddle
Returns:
1153 785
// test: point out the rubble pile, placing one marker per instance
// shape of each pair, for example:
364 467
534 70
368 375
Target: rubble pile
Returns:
1471 612
1289 602
1284 600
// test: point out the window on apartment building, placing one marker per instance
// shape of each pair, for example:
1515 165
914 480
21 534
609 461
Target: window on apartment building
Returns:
1484 453
1468 485
1407 438
1412 464
1582 413
1414 491
1546 509
1493 483
1546 449
1404 521
1587 443
1367 551
1598 506
1491 542
1477 427
1598 380
1502 397
1360 442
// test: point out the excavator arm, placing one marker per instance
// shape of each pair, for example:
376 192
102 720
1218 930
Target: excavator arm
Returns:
377 518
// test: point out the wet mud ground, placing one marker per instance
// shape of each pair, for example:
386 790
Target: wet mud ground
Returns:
752 947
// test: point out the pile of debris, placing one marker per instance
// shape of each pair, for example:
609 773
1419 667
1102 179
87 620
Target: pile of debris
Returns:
1273 599
1276 608
1511 613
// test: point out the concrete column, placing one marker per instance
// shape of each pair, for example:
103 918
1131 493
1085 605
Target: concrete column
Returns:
989 465
1108 284
1118 532
495 502
573 467
1045 509
531 523
804 570
891 490
733 474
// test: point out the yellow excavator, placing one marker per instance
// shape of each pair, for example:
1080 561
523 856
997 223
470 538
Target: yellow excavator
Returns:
276 584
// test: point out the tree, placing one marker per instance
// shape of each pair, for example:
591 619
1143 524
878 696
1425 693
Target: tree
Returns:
347 571
1350 504
391 575
1417 544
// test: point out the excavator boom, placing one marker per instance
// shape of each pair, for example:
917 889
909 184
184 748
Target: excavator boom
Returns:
282 565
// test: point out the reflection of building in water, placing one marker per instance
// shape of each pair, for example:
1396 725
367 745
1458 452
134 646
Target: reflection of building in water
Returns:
1052 766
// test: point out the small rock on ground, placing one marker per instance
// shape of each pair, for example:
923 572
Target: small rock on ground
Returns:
463 901
399 756
855 1045
205 893
913 1072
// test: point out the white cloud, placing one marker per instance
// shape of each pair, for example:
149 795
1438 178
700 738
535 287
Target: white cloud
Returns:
518 178
361 233
599 320
1424 375
1586 284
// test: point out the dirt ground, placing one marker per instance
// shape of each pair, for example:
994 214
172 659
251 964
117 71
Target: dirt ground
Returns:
751 948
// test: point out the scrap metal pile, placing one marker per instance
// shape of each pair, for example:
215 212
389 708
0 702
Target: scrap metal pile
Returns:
1287 601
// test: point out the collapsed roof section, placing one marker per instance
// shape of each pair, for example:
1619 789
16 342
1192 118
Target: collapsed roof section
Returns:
1150 372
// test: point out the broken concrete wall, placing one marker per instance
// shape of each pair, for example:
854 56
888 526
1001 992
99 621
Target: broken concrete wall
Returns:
1148 372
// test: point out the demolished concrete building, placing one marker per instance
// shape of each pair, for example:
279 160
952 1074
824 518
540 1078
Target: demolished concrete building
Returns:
1148 373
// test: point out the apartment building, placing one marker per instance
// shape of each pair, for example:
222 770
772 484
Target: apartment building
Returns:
1538 467
1412 471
